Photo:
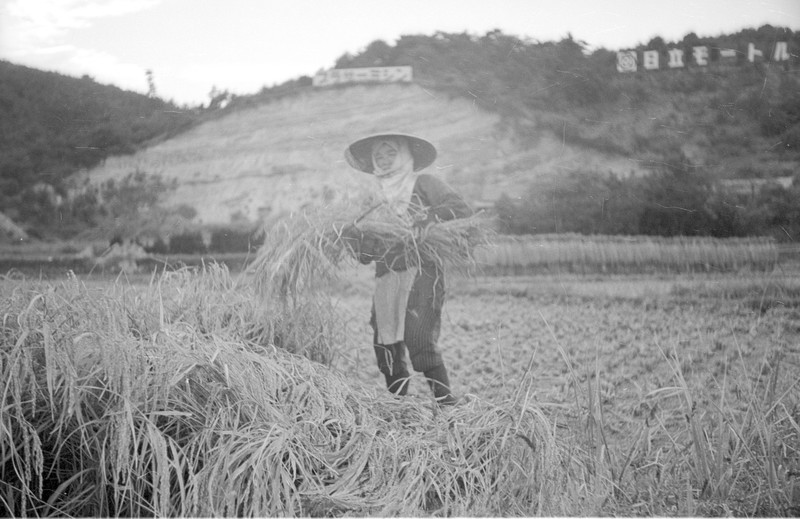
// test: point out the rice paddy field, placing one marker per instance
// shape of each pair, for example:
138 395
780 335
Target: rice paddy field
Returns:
194 392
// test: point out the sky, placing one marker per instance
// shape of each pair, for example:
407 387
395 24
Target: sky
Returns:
192 46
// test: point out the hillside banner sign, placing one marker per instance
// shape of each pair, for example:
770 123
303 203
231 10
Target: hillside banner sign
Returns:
338 76
676 58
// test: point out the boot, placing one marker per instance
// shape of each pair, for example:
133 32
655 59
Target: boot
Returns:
397 384
391 362
440 384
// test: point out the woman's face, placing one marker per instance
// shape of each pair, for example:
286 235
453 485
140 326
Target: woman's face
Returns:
384 156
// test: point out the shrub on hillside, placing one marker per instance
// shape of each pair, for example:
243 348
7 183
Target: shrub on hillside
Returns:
677 199
158 247
232 240
790 139
60 124
187 243
775 120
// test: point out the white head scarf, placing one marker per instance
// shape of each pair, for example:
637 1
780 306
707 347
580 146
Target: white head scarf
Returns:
396 181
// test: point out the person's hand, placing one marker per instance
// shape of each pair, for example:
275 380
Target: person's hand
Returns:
421 221
371 249
364 247
350 233
351 236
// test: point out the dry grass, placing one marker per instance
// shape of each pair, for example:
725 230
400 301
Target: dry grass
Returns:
671 404
304 252
718 458
191 396
168 400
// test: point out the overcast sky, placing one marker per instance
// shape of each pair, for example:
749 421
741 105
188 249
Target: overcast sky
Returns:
243 45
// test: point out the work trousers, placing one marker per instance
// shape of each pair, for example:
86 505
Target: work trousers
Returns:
422 327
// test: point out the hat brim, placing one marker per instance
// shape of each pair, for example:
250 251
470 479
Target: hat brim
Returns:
359 154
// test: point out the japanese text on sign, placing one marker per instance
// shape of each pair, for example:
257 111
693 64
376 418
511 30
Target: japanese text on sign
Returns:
629 60
363 75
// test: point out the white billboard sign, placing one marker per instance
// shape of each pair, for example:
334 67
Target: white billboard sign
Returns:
628 60
337 76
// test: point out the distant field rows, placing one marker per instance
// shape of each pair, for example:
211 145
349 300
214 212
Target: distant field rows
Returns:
513 255
577 253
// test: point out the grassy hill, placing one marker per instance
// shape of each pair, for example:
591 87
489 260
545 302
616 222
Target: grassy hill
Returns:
282 155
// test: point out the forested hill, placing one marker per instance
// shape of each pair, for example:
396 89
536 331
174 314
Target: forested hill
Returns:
52 125
698 115
682 129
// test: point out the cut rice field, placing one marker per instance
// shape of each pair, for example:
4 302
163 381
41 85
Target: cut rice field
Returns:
188 393
564 253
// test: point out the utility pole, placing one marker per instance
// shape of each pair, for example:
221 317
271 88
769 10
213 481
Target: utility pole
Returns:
151 85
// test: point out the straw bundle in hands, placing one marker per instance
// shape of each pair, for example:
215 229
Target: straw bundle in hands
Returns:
303 251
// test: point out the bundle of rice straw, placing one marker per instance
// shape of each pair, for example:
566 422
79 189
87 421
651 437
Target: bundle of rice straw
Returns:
123 401
303 251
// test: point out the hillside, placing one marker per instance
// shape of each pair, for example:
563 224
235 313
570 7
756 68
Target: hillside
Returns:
279 156
512 118
548 134
52 125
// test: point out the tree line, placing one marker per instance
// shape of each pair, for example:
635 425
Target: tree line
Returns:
53 125
671 201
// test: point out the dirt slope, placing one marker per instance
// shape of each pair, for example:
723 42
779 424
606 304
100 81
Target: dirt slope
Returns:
282 155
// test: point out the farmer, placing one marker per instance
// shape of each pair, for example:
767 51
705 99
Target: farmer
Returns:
407 303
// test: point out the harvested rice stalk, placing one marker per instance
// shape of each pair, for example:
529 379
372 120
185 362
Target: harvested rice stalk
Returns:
453 243
98 419
298 252
303 251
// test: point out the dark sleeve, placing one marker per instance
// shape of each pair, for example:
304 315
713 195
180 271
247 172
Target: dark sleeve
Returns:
370 249
362 246
442 201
